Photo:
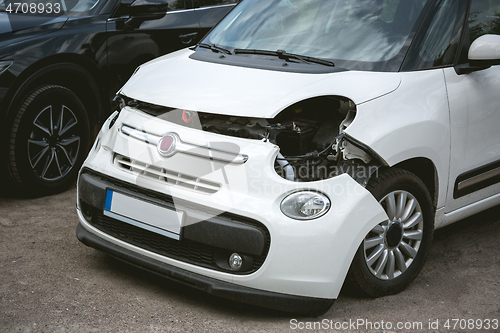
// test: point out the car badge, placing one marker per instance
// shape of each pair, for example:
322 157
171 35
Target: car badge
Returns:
166 145
187 117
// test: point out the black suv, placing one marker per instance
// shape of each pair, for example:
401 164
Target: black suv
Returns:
60 71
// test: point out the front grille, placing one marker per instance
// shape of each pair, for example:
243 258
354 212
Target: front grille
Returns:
184 250
166 176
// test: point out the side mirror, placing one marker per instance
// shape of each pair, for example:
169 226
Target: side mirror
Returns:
485 51
147 7
145 10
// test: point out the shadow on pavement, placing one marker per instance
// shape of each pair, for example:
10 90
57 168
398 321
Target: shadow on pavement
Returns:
11 192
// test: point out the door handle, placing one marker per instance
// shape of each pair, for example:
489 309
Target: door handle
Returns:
188 38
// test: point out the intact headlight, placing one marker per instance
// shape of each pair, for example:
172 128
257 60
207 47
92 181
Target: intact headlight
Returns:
305 205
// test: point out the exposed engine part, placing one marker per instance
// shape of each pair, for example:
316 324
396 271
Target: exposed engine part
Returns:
347 121
310 134
351 152
286 167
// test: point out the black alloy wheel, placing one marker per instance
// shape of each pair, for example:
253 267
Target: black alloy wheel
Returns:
49 140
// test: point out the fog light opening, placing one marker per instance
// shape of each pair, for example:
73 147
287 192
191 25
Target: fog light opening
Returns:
86 210
235 261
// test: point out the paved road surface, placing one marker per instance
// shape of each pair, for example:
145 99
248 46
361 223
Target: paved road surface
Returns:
50 282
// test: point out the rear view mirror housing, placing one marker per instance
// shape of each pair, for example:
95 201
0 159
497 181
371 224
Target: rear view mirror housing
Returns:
485 51
145 10
148 7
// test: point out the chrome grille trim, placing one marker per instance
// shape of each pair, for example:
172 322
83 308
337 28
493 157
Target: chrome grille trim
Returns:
166 176
186 148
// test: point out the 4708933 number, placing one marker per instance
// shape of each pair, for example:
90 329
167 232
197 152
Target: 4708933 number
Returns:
33 8
472 324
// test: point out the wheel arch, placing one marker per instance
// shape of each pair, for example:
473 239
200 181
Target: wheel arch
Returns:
424 169
75 72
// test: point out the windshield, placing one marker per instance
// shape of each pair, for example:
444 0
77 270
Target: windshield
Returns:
355 34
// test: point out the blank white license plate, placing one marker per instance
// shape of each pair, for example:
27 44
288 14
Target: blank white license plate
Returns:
142 214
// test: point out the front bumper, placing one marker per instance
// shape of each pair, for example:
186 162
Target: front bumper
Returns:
307 306
207 239
304 259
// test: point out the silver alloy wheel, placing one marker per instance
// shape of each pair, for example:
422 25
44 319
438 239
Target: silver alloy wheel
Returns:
391 246
53 143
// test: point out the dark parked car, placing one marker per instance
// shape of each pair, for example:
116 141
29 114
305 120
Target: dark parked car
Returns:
60 70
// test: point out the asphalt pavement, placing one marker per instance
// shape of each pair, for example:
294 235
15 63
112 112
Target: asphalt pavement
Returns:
50 282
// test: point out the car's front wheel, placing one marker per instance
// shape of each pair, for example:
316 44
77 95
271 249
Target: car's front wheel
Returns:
49 139
394 251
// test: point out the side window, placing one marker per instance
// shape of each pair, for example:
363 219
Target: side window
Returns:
437 43
176 4
172 5
440 33
204 3
484 18
123 8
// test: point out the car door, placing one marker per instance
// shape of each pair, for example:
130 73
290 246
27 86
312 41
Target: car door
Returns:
132 43
475 117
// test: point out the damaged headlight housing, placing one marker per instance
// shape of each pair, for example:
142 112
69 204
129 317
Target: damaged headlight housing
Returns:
305 205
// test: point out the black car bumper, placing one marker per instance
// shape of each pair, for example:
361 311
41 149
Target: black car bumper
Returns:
301 305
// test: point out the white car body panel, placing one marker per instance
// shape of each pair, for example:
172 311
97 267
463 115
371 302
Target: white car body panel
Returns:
475 137
411 122
239 91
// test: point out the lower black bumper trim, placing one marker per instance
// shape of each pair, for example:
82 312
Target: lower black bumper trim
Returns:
307 306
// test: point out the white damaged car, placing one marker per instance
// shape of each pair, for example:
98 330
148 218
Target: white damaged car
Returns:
301 144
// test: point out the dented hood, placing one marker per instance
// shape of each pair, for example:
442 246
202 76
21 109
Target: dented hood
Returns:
177 81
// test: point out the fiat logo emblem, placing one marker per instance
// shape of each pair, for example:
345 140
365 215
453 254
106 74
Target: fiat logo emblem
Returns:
166 145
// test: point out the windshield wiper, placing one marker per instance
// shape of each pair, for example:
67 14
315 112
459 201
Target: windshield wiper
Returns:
282 54
214 48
